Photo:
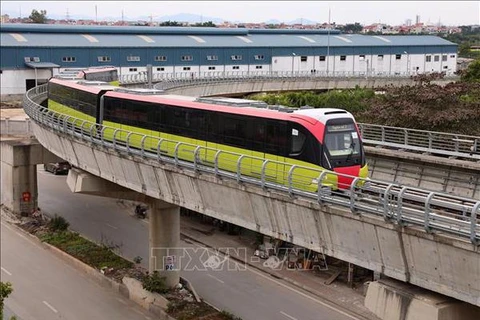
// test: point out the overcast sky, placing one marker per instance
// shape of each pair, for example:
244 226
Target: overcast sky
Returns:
364 12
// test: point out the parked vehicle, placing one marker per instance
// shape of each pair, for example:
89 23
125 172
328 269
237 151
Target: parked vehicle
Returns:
57 167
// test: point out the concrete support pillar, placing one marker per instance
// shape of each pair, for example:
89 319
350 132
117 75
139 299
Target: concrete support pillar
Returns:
164 240
389 299
19 188
19 159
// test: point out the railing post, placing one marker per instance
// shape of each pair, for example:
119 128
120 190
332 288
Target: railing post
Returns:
289 178
473 224
127 141
215 161
427 212
195 158
353 194
264 165
320 187
386 201
239 168
400 205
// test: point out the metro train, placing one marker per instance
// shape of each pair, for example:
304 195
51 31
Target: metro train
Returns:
310 138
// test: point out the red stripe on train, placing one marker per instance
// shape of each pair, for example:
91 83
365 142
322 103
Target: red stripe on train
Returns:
345 182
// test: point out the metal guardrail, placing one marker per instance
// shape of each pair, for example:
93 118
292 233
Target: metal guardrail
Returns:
175 79
430 142
403 205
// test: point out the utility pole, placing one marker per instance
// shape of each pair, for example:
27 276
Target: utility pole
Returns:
328 41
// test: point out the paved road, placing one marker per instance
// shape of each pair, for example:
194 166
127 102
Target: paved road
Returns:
248 293
45 287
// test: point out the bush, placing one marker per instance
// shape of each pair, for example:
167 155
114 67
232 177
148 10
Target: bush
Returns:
5 290
58 223
154 283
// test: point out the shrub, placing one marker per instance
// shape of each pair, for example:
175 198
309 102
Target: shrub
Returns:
58 223
155 283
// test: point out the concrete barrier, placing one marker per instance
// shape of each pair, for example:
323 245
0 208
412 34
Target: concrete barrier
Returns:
393 300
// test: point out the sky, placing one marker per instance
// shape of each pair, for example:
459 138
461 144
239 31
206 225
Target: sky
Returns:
450 13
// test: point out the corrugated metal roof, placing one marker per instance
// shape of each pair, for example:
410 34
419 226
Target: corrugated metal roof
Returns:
28 35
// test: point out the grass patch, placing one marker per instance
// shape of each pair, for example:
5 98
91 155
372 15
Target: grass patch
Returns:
85 250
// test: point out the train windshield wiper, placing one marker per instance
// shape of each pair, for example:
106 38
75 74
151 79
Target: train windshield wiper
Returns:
352 150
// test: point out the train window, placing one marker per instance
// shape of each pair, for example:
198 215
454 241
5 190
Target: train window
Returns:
297 141
275 140
235 131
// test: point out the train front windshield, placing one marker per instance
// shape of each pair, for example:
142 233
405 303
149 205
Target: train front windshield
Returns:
342 145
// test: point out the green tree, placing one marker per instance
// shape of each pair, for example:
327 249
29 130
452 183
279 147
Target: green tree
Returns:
5 290
38 17
205 24
472 74
170 24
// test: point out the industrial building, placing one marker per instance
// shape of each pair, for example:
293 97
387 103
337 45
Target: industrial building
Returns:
32 53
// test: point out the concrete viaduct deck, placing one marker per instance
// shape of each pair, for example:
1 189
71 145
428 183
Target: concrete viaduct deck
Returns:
440 261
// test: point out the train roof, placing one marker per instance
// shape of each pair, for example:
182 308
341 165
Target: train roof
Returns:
94 87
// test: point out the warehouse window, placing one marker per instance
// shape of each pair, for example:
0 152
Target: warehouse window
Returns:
133 58
444 57
69 59
398 56
380 57
322 58
361 57
161 69
186 68
436 58
236 57
452 56
343 58
211 68
160 58
428 59
104 59
258 67
259 57
32 59
212 58
236 67
132 69
303 58
187 58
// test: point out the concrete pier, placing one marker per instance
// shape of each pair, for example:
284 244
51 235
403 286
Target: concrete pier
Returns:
394 300
19 160
164 240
